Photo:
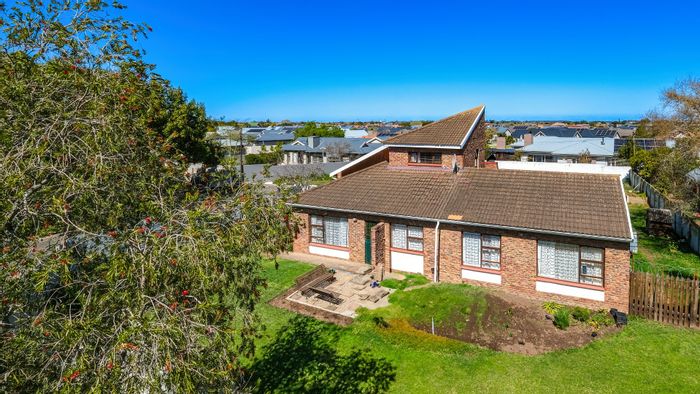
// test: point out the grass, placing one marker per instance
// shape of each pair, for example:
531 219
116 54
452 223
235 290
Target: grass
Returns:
628 361
409 281
659 254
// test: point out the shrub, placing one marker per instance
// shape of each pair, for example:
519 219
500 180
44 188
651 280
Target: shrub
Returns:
561 318
581 314
600 319
551 307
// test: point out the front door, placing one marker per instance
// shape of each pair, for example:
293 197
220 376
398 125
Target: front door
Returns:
368 241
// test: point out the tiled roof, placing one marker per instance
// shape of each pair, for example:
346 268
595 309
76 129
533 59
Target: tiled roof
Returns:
577 204
450 131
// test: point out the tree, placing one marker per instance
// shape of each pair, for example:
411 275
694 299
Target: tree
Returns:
310 129
180 122
116 275
302 358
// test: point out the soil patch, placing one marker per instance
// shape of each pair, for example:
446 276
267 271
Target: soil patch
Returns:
514 324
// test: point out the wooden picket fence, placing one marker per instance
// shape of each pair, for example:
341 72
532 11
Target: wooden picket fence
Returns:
665 298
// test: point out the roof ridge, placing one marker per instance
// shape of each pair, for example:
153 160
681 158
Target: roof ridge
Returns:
479 107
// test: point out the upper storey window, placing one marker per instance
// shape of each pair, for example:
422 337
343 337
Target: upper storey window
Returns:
425 158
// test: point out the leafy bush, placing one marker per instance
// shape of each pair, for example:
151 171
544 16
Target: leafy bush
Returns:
600 319
561 318
263 158
552 307
581 314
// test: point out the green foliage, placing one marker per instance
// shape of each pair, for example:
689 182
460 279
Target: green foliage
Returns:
409 281
116 274
417 355
551 307
310 129
562 318
181 123
659 254
581 314
510 139
302 358
600 319
272 158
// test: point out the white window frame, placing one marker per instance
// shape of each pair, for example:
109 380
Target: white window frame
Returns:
407 237
321 223
583 276
480 262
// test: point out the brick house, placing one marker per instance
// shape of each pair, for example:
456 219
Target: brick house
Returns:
423 204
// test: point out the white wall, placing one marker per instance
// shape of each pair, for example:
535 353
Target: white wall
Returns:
622 171
481 276
340 254
572 291
407 262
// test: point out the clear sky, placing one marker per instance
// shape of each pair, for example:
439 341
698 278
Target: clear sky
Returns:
358 60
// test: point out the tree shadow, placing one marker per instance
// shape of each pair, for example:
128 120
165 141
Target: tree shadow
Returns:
303 358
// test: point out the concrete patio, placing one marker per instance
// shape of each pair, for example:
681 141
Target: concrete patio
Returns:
352 284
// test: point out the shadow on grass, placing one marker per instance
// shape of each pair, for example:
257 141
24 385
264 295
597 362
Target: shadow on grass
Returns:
303 358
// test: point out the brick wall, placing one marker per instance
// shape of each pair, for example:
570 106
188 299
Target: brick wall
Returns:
519 269
475 146
518 259
398 157
356 239
301 241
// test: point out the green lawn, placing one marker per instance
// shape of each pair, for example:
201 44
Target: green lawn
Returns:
644 357
657 254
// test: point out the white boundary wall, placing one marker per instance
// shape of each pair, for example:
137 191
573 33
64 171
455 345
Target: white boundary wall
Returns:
622 171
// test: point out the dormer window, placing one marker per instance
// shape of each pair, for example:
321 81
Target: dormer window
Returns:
425 158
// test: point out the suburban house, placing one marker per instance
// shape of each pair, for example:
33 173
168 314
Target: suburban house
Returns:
307 150
424 203
565 132
566 149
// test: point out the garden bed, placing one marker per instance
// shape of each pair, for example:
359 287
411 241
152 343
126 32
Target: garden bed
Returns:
495 320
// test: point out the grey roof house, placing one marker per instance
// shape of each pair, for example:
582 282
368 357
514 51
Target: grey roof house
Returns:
327 149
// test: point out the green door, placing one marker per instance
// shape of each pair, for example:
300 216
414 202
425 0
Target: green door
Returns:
368 241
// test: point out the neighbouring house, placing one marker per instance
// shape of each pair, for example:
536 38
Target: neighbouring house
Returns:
327 149
355 133
565 132
423 203
645 143
566 150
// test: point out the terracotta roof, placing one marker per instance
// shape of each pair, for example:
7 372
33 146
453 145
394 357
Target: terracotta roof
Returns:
576 204
450 131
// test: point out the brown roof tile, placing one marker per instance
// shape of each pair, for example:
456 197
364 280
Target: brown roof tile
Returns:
445 132
583 204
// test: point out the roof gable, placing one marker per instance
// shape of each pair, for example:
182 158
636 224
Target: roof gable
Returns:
450 132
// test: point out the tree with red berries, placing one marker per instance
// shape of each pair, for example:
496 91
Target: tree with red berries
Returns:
116 274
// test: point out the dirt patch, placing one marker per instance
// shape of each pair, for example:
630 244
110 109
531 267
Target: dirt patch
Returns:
513 324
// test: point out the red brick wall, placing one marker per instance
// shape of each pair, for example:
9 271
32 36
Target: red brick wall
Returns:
518 259
356 239
519 269
475 145
398 157
301 241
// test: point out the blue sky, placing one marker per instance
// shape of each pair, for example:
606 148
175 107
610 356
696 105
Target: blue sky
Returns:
358 60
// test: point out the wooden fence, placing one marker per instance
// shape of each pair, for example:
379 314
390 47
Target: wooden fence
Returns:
664 298
684 226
